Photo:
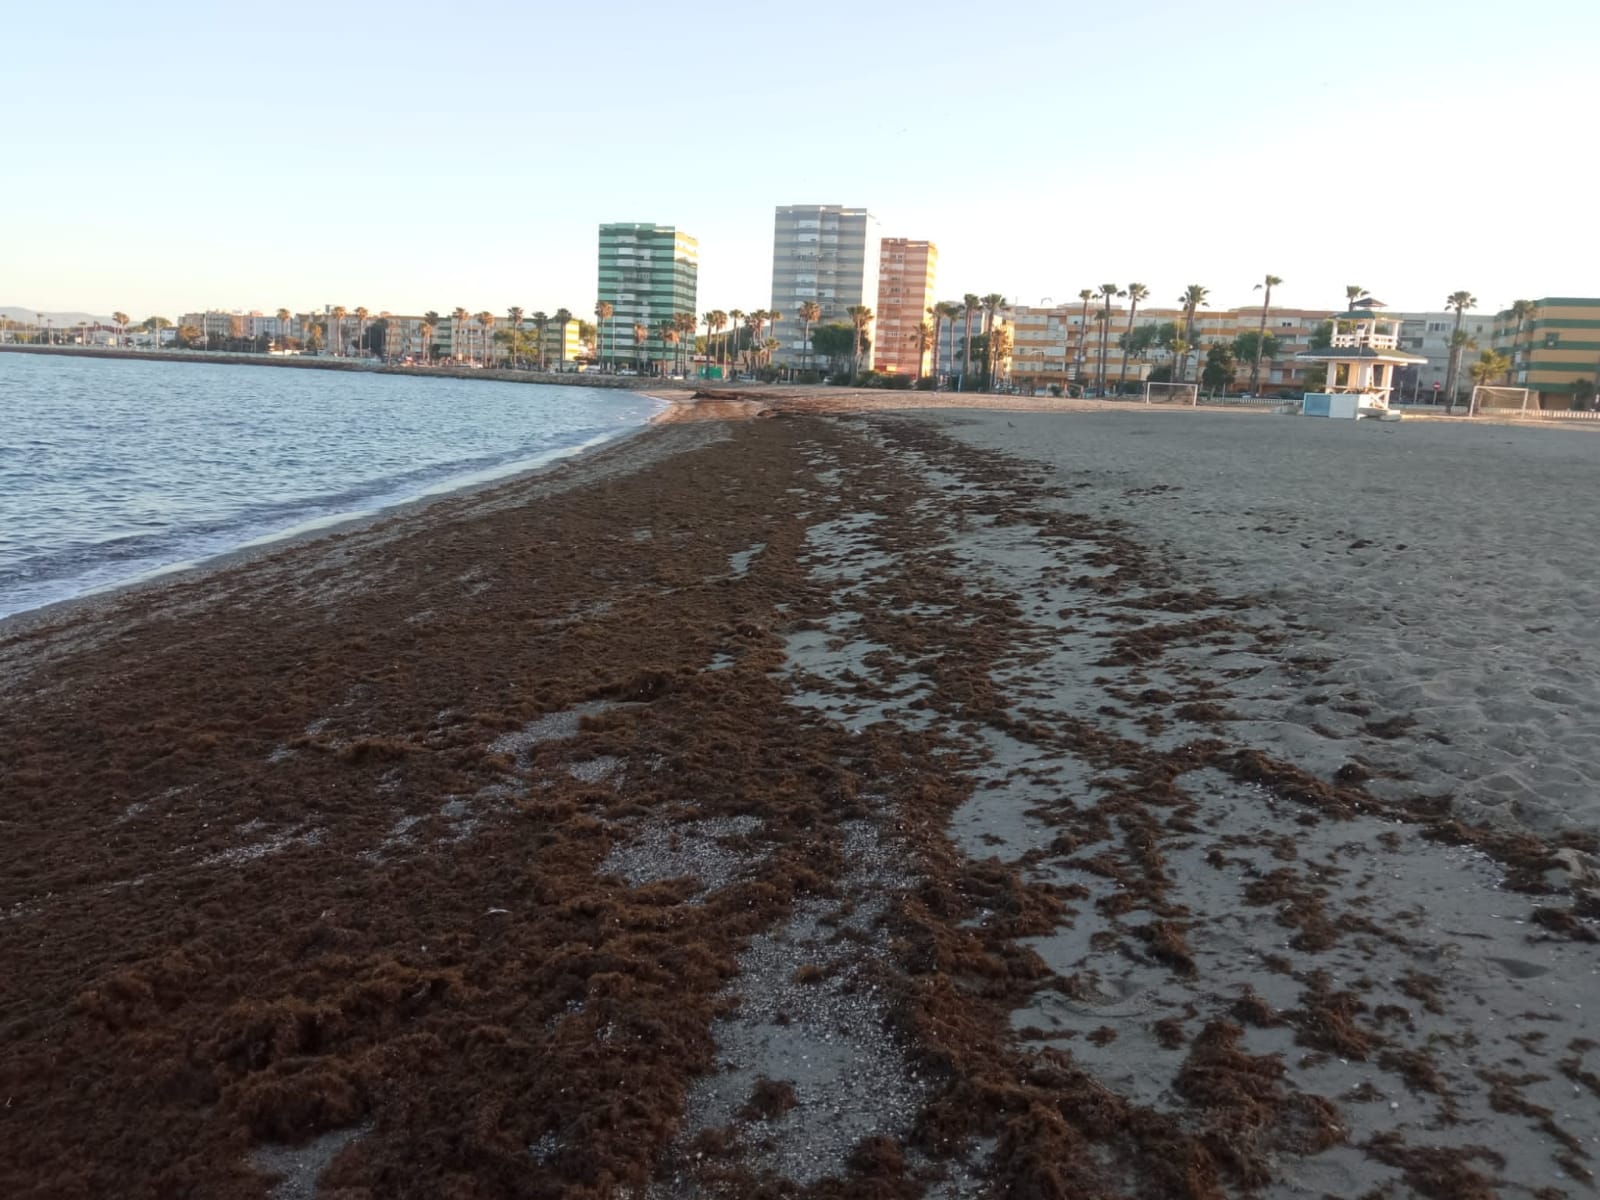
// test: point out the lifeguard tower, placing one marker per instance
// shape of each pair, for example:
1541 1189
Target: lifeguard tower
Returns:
1361 359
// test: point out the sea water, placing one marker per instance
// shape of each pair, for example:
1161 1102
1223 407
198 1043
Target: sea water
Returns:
114 469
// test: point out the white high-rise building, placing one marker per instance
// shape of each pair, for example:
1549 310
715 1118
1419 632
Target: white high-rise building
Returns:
821 252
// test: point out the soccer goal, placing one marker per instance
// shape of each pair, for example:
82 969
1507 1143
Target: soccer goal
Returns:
1499 399
1172 393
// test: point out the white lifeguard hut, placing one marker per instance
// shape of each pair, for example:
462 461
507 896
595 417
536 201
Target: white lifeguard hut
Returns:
1361 360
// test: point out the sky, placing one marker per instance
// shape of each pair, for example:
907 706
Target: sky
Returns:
407 156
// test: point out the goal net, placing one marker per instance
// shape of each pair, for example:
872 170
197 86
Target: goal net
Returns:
1499 399
1171 393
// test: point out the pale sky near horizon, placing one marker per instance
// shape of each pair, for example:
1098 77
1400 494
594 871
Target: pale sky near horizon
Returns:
158 161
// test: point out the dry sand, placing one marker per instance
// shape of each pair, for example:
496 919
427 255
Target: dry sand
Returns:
867 805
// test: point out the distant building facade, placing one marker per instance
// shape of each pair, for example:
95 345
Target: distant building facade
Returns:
1554 348
906 273
648 274
826 253
1428 334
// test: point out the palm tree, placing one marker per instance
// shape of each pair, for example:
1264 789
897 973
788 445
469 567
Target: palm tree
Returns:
773 317
686 325
1490 366
541 321
1136 293
431 319
1193 297
718 322
1086 295
458 318
1458 303
561 320
952 311
1352 293
1269 283
485 344
752 326
669 335
710 319
992 304
1523 311
284 316
736 316
860 318
602 314
339 313
121 321
970 303
1108 293
810 312
361 315
640 335
518 344
924 339
936 311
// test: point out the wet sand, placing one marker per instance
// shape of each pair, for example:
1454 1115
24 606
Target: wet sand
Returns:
862 805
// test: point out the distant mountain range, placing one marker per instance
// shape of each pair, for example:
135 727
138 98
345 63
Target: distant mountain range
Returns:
58 320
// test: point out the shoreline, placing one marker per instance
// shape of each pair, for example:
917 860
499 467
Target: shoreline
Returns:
333 525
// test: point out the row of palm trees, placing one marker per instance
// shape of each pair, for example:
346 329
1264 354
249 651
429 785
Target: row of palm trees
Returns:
949 315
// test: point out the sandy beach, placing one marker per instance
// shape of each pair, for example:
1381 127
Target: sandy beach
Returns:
793 802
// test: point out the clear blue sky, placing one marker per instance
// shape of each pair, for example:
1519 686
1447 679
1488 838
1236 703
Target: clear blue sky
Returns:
164 159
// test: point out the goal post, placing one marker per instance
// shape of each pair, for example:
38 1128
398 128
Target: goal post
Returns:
1172 393
1498 399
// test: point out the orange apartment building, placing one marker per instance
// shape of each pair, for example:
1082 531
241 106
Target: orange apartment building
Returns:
906 271
1052 347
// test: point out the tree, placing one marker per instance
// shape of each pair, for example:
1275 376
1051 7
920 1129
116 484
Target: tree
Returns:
685 324
1352 293
518 345
970 304
1322 336
361 315
641 334
336 332
485 321
1136 292
1086 295
952 311
425 332
1108 293
810 314
860 318
189 336
283 315
992 304
1269 283
1193 297
1458 303
668 333
1522 311
1253 346
1137 344
773 317
1220 367
121 321
836 342
1583 394
541 322
923 338
1491 365
736 318
602 313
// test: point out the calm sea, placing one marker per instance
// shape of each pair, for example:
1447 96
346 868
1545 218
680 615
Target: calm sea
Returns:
112 469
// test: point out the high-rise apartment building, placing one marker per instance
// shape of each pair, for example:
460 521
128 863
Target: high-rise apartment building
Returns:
648 274
821 252
906 271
